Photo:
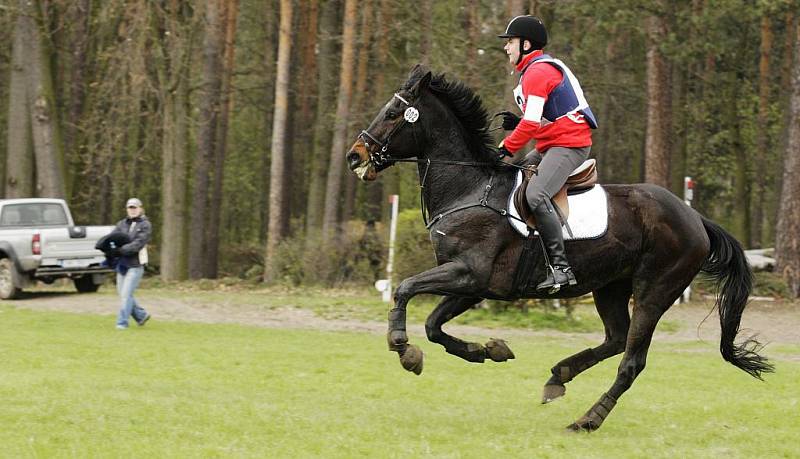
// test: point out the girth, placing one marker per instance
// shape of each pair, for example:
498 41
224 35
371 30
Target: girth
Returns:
581 179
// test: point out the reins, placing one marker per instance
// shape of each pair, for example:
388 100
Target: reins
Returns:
381 157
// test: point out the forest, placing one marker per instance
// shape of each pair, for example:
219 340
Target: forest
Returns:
230 119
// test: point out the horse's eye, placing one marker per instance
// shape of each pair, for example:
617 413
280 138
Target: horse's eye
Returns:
391 114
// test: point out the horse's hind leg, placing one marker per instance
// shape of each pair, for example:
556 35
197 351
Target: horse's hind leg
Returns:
611 302
643 324
449 308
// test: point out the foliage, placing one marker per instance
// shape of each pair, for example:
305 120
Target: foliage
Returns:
357 257
413 251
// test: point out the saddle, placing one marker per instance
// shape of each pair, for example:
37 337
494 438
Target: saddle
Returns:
581 179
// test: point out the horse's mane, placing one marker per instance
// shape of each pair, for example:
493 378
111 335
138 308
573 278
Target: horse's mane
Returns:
466 106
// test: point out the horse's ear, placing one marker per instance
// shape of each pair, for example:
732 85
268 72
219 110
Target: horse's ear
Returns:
422 83
418 70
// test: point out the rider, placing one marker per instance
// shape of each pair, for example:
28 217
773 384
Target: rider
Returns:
557 116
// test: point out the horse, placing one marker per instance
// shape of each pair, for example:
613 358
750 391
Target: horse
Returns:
653 247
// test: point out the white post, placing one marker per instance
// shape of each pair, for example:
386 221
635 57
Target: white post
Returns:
688 195
387 288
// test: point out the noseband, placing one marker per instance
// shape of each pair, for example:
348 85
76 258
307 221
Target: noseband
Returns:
381 157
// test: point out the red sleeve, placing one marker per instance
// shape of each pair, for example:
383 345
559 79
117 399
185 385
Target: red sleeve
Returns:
539 80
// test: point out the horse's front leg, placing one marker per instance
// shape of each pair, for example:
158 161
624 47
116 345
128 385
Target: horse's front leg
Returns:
449 308
452 278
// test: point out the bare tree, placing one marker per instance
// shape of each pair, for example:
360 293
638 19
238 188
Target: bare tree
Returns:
326 87
336 162
42 107
277 187
657 149
231 12
19 159
762 141
787 246
206 142
175 52
359 99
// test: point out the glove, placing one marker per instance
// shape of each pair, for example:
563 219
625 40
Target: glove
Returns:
510 121
502 153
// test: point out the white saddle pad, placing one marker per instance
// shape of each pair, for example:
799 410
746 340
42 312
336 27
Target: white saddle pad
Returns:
588 213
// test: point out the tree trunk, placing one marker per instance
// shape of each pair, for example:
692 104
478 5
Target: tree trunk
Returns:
231 12
762 141
473 26
388 184
336 162
174 76
657 149
302 117
787 246
19 159
278 149
326 87
270 57
514 8
80 16
359 102
426 35
42 108
206 142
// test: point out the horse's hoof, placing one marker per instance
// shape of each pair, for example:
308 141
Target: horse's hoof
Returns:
552 392
498 350
411 359
583 424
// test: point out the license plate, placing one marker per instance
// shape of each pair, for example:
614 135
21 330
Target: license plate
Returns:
76 263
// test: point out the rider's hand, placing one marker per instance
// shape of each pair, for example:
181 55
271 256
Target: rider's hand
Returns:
502 153
510 121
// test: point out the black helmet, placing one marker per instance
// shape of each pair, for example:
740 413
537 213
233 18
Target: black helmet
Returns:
529 28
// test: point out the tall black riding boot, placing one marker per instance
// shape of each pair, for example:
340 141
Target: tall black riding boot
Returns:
549 226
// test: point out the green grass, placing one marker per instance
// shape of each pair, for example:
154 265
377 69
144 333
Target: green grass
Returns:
73 386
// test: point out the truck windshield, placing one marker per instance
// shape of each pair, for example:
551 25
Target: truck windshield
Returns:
34 214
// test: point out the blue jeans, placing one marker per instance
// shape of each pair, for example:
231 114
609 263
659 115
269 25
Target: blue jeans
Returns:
126 284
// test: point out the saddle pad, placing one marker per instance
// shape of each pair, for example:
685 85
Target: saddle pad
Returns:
588 213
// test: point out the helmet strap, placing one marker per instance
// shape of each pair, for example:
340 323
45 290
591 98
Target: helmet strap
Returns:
523 51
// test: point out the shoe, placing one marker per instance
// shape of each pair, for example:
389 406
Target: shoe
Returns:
144 321
121 327
557 276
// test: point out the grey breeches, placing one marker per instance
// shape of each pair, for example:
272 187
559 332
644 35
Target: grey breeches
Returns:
554 168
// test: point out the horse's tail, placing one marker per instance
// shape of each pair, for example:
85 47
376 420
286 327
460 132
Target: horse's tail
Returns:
727 265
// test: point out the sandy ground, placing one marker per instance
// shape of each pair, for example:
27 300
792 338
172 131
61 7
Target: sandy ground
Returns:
774 322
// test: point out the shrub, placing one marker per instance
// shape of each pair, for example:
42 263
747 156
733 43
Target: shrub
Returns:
413 249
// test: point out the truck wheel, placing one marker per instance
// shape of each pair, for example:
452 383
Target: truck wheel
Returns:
8 291
85 284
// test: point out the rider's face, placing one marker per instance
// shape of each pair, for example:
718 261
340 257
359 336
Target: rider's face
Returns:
512 50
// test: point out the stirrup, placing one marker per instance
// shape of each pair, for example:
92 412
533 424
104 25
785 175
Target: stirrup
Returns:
551 275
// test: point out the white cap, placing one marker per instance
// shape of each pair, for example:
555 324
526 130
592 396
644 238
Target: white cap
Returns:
133 202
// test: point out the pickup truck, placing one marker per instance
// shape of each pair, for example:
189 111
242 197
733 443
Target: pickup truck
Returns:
40 242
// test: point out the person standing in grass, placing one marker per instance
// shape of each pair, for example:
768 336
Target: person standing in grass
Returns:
132 257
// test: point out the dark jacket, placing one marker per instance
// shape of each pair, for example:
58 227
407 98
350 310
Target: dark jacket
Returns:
140 236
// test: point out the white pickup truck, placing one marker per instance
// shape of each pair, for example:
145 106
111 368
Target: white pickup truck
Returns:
40 242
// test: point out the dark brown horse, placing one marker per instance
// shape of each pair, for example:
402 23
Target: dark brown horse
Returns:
653 248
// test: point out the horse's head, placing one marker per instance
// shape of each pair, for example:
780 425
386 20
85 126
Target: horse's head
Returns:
388 136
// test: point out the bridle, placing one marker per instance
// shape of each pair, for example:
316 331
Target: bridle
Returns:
380 157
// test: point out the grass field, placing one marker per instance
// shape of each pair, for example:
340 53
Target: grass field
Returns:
72 386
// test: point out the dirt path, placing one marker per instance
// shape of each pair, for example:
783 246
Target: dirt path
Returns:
775 322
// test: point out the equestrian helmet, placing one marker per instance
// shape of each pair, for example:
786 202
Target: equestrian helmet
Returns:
529 28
